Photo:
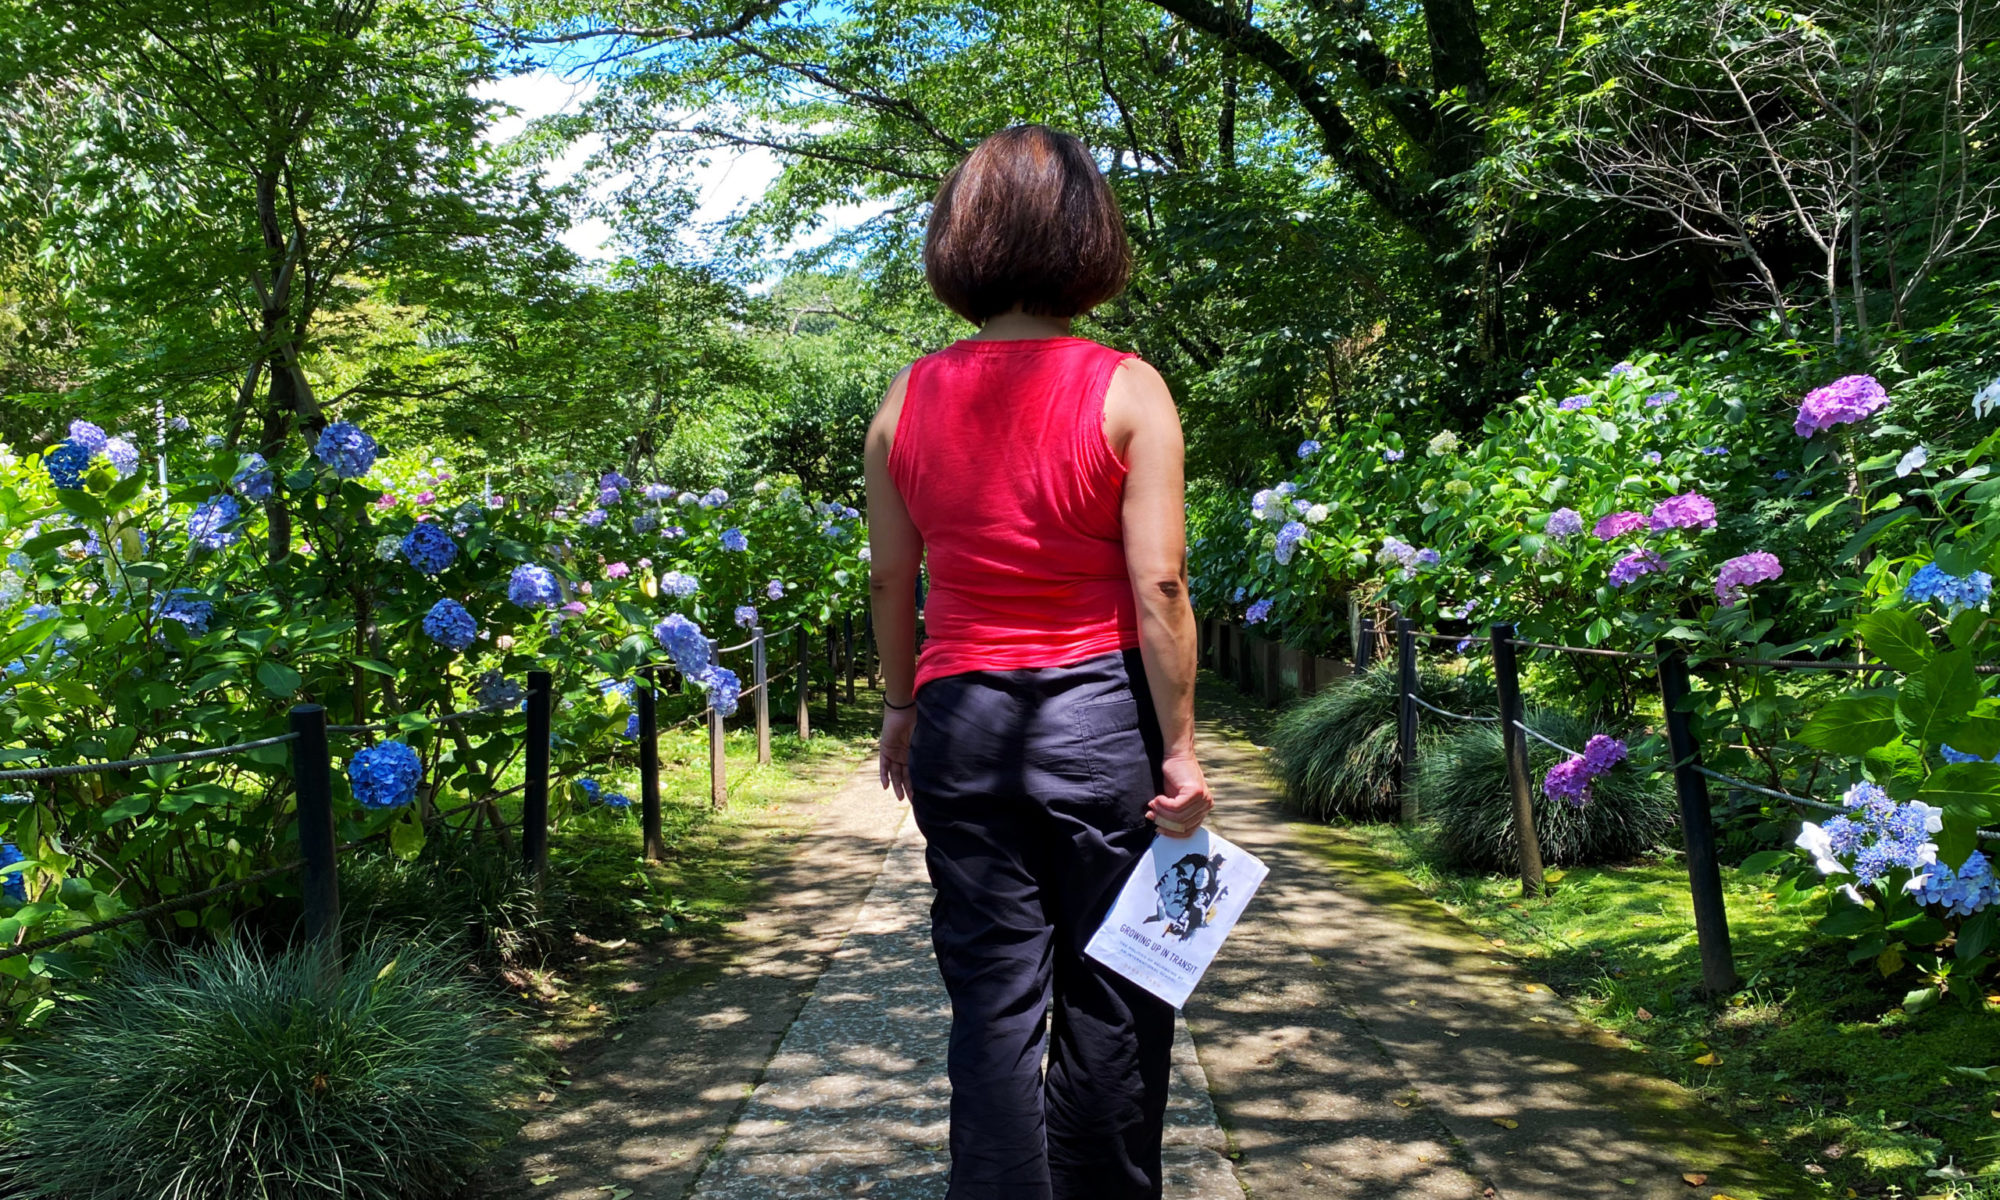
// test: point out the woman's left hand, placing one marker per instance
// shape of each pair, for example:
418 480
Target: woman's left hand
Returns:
897 725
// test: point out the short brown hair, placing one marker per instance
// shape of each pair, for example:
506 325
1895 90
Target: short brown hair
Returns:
1026 219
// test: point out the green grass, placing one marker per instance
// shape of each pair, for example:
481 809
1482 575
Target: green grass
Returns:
1811 1054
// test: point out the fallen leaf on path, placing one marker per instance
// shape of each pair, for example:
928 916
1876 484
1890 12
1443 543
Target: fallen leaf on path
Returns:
1533 987
539 1180
1720 1196
1506 1123
1695 1178
1711 1059
1815 1169
1643 1015
544 1097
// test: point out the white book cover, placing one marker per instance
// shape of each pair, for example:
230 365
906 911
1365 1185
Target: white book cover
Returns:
1175 909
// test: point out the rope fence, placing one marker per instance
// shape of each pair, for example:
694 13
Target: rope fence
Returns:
312 778
1423 703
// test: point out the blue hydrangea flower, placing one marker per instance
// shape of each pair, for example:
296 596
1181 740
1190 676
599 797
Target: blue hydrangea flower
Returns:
1959 756
186 606
746 615
1660 399
429 548
631 733
253 482
1288 541
14 883
1572 403
1392 456
90 437
532 586
595 517
1623 368
723 688
1652 458
775 590
715 498
617 800
346 449
685 642
1955 593
1308 448
1257 613
670 532
209 524
680 584
645 523
591 789
734 540
613 480
494 690
1564 523
385 775
658 493
123 455
1963 892
66 464
449 625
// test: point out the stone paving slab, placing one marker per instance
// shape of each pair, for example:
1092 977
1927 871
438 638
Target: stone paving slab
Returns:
855 1101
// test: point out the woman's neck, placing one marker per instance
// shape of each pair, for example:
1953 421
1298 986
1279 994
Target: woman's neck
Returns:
1017 326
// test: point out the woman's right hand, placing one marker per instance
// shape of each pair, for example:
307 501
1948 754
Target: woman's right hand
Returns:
897 725
1180 811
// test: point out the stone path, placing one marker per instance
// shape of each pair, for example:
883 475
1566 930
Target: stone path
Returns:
855 1103
1353 1042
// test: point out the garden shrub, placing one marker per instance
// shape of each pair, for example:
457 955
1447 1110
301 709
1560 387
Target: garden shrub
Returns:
1336 752
229 1073
457 891
1462 787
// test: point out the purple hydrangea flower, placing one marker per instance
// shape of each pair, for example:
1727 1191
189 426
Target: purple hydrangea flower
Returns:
449 625
123 455
1288 541
679 584
1568 781
1657 399
608 497
1652 458
1623 368
733 539
775 590
1564 523
385 775
1616 525
1572 403
89 436
657 492
1392 456
533 586
1690 510
346 449
1842 402
684 641
1738 574
1603 752
1257 613
613 479
594 517
209 524
714 498
746 615
1634 565
1308 448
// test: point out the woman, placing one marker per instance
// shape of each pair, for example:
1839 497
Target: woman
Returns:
1051 717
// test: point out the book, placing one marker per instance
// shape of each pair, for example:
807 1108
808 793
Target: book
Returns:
1176 907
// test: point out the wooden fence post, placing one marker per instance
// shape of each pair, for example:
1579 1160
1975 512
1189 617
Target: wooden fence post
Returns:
832 677
1308 673
1222 634
1364 642
1711 917
312 780
1244 669
1507 681
718 766
761 670
654 841
1406 720
535 797
847 652
805 683
1274 683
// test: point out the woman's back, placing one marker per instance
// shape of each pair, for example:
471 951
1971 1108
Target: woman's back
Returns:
1001 458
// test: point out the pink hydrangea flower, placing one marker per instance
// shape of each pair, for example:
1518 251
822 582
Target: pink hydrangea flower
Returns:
1617 525
426 497
1690 510
387 500
1635 564
617 570
1842 402
584 587
574 608
1738 574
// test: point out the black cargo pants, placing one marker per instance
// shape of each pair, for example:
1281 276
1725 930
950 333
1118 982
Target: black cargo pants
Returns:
1031 788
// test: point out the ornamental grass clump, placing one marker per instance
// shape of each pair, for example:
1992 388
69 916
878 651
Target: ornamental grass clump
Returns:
1336 752
229 1074
1462 788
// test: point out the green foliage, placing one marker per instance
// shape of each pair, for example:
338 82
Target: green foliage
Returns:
1462 788
1336 751
228 1074
456 893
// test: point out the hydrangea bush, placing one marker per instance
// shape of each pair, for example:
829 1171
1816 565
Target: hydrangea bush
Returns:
137 620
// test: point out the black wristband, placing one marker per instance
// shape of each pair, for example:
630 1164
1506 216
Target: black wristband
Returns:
899 707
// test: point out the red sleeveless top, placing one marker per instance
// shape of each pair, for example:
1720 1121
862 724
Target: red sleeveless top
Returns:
1001 459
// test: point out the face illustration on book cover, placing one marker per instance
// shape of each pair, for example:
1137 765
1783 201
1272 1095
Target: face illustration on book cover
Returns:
1187 894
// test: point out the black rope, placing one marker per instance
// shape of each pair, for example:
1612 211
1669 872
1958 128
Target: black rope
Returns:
158 760
1421 702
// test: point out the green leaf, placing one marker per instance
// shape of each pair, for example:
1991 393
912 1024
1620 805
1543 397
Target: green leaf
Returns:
376 665
1824 511
1851 726
1977 735
135 805
1848 921
1938 698
1976 935
406 837
1959 837
278 679
1919 1000
1969 790
1920 930
1598 631
1764 860
1897 638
